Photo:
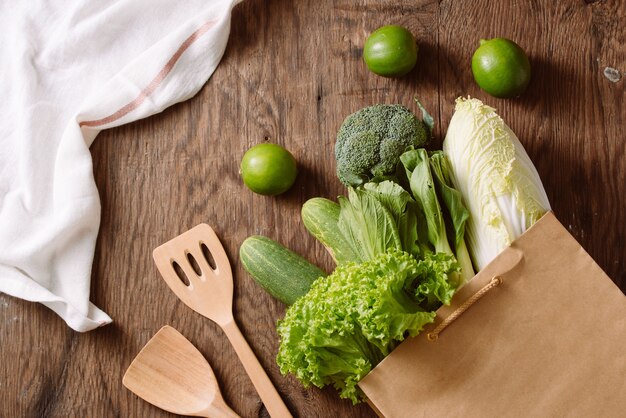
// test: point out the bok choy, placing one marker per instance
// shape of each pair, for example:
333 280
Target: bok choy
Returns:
431 187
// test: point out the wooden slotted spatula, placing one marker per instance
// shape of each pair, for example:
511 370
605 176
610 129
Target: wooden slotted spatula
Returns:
196 267
169 372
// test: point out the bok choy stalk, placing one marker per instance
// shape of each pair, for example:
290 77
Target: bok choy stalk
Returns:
497 179
458 214
419 170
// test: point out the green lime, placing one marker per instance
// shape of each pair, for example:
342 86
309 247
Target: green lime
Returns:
501 67
268 169
390 51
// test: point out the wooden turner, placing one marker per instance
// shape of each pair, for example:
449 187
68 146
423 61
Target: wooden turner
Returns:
171 373
196 267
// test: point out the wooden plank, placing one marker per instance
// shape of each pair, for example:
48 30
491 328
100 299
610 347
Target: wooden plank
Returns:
291 73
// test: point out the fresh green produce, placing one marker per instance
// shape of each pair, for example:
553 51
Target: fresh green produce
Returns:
428 192
350 320
402 239
386 289
373 219
390 51
268 169
417 166
321 217
371 140
438 273
281 272
497 179
378 217
501 67
405 213
456 211
367 224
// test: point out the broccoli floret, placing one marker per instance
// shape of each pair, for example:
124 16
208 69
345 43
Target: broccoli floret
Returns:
371 140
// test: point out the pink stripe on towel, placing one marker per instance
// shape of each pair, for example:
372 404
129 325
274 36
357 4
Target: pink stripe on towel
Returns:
156 81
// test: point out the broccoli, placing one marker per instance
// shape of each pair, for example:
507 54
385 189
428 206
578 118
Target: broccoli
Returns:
371 140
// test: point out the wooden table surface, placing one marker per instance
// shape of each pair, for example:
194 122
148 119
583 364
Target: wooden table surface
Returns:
291 73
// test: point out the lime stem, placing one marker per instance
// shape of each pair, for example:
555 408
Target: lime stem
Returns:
482 41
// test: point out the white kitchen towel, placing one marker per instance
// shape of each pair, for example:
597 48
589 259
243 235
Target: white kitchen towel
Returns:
69 69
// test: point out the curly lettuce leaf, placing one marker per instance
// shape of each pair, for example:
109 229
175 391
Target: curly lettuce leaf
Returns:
351 319
437 280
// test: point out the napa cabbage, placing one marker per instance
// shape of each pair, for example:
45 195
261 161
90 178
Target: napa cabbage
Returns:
496 177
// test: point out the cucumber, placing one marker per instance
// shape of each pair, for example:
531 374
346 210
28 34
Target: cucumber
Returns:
281 272
320 217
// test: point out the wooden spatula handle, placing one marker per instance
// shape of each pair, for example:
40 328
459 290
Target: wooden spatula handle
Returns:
262 383
219 409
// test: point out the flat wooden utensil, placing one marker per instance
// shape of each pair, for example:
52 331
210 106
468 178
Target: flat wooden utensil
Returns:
169 372
196 268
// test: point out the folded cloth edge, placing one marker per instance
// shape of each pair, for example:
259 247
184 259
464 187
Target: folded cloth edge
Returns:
15 285
17 282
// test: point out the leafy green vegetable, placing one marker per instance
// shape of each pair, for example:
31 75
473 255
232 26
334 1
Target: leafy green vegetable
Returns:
417 166
380 216
497 179
437 286
367 225
375 218
403 209
430 183
456 210
370 141
350 320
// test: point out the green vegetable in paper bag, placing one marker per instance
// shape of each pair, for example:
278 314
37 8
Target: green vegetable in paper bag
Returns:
497 179
349 321
441 206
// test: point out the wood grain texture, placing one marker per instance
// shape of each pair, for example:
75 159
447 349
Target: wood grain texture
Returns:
291 73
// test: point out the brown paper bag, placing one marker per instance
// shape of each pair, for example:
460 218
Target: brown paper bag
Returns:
549 340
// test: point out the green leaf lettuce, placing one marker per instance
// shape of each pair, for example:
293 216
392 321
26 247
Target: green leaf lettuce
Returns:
350 320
